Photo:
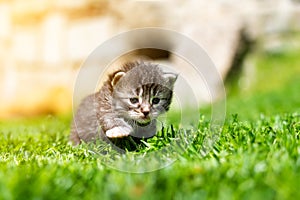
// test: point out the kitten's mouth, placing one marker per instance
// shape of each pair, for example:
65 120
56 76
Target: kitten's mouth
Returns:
144 122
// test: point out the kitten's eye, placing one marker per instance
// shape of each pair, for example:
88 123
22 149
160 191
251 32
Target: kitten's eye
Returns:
155 100
134 100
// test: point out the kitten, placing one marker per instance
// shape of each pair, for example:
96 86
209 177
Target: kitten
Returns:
128 103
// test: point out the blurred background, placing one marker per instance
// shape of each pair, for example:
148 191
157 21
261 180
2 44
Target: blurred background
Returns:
44 42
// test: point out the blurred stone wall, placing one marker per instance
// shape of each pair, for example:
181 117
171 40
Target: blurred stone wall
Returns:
43 43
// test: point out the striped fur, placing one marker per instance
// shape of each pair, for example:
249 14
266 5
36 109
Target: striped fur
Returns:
127 104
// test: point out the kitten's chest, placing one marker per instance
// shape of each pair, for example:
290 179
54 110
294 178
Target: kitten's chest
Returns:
144 131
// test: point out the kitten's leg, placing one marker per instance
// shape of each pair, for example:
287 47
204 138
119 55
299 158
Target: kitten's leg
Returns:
85 125
116 127
74 138
118 132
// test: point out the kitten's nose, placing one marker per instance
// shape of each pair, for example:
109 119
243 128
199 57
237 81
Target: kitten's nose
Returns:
145 110
146 113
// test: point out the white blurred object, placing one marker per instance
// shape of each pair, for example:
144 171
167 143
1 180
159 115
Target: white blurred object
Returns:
41 43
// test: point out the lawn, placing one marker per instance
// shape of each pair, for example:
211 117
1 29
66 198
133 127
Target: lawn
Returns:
256 156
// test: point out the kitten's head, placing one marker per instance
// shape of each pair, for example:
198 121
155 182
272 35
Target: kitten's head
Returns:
142 93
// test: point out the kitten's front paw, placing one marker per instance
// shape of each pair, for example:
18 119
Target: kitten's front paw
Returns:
118 132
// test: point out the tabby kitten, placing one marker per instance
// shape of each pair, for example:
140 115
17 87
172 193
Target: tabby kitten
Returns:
128 103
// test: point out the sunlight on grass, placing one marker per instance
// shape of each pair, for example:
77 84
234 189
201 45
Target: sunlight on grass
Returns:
256 156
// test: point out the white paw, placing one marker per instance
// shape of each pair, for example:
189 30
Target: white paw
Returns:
118 132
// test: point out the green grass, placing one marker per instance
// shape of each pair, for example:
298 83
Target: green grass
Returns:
274 88
257 155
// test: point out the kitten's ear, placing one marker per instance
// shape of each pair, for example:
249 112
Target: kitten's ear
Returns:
170 77
117 77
